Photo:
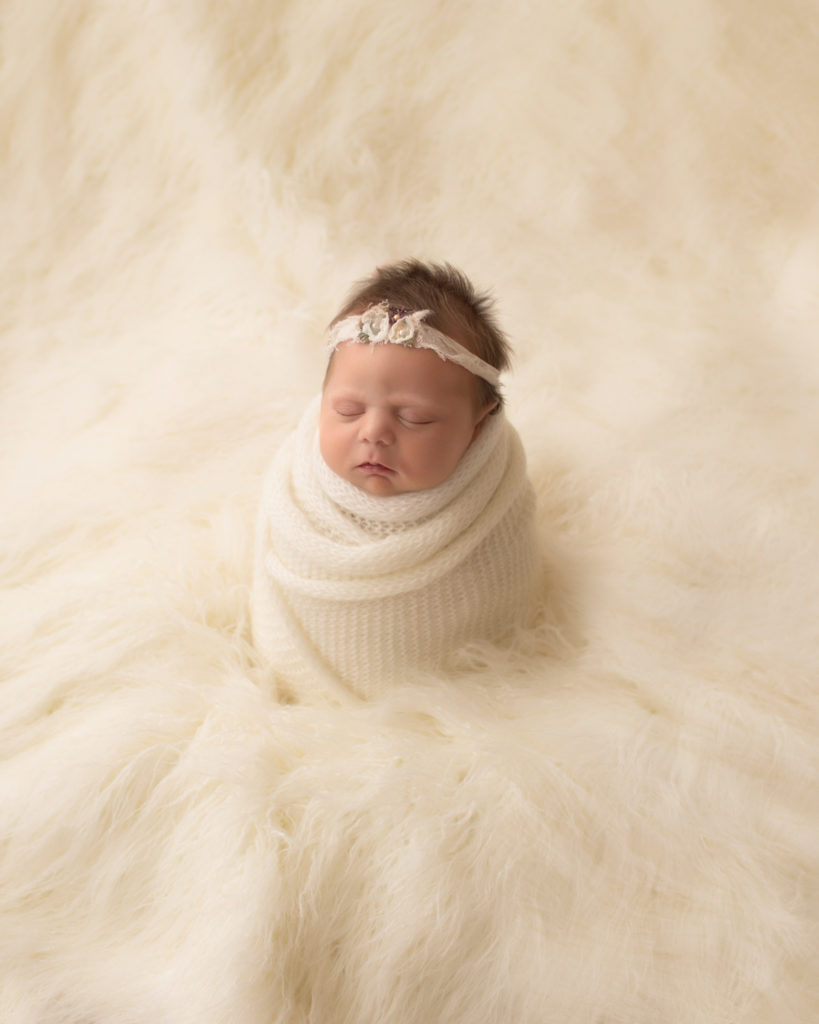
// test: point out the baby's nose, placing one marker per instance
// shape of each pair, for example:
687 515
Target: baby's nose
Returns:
376 427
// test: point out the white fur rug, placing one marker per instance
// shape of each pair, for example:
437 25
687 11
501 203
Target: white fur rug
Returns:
617 822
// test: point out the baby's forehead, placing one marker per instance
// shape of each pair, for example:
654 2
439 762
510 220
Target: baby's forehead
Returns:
396 368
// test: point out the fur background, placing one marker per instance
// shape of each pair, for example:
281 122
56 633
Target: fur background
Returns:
615 823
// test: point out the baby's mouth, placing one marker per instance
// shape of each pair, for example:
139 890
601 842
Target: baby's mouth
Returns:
374 467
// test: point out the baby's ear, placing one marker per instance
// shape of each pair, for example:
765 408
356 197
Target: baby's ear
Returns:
482 416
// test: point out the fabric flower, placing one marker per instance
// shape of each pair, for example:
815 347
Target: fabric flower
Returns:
403 331
375 324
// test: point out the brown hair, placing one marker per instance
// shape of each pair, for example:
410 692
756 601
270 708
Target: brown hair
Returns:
456 308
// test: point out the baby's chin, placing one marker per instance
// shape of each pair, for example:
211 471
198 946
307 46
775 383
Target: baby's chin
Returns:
382 483
381 486
387 483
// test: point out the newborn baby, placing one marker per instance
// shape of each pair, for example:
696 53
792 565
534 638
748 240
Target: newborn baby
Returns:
396 523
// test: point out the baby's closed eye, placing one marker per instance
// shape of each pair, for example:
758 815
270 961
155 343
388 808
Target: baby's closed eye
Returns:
348 409
416 417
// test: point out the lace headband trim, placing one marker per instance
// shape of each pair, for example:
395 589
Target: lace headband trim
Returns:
384 324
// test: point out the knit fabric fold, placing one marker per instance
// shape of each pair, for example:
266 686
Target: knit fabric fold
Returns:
354 591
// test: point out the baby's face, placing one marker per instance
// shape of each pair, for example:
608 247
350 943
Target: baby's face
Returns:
394 419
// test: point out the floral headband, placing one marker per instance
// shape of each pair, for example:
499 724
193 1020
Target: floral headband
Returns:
384 324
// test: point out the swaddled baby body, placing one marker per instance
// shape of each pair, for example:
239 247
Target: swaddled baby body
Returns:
396 522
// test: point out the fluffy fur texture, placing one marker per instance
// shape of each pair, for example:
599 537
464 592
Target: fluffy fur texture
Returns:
352 593
614 822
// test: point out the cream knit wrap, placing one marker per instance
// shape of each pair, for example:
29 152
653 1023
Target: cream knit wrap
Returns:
352 591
